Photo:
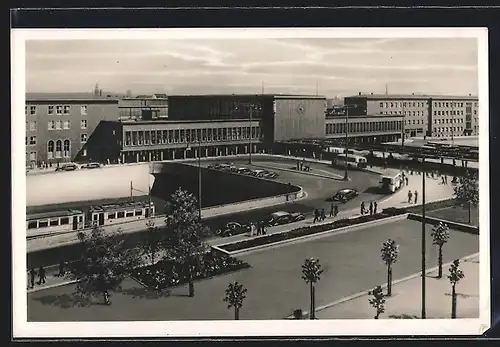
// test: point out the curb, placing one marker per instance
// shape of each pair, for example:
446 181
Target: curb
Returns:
401 280
301 172
33 290
338 231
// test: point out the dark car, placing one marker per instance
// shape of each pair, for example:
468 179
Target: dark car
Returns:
232 228
91 166
345 195
67 167
295 217
270 175
279 218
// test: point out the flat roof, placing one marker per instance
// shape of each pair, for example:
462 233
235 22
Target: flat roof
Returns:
89 97
53 214
466 141
174 121
119 206
414 96
250 95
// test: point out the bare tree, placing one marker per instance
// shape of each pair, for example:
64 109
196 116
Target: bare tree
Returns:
440 236
235 294
311 273
389 254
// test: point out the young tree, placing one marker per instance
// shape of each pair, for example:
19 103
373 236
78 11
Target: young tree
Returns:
378 301
151 241
389 254
467 191
184 234
456 274
235 294
440 235
104 264
311 273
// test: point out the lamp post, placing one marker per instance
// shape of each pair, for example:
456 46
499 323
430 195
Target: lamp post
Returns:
251 107
198 140
346 109
423 237
403 129
452 123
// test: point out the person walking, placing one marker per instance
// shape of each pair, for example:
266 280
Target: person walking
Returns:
362 208
32 278
316 216
62 268
335 210
331 209
323 214
410 195
416 196
442 180
406 180
371 208
446 179
374 207
41 275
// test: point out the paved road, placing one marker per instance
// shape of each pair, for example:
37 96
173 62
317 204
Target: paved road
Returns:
351 263
318 190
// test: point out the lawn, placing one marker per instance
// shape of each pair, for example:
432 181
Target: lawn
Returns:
457 214
351 264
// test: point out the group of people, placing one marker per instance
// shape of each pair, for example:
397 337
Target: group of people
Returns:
257 229
412 195
320 215
372 208
42 276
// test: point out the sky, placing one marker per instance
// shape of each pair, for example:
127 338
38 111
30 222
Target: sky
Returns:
325 66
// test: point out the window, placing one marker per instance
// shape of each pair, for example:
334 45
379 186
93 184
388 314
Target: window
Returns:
120 214
32 110
59 109
58 148
83 124
83 138
32 140
66 124
66 109
33 125
50 109
381 104
54 222
58 125
130 214
64 220
138 212
51 125
43 223
32 156
66 148
111 215
50 149
127 138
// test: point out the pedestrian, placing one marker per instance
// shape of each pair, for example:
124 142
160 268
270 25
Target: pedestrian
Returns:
416 196
371 208
406 179
263 229
323 215
316 215
432 174
375 206
61 268
410 194
331 209
446 179
336 210
32 278
41 275
362 208
442 180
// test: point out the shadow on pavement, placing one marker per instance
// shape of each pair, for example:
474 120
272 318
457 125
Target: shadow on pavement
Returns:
146 293
403 316
67 300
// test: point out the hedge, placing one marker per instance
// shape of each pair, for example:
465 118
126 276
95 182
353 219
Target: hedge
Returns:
470 229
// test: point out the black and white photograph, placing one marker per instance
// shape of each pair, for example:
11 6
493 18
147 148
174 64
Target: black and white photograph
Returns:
250 182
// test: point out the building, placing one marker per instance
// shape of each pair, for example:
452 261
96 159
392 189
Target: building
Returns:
144 106
425 115
57 126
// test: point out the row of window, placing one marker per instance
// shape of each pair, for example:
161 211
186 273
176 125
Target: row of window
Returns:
398 104
449 129
58 125
55 109
153 137
404 113
31 141
360 127
446 121
414 122
58 149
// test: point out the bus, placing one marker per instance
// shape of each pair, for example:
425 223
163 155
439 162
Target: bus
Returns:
353 161
391 180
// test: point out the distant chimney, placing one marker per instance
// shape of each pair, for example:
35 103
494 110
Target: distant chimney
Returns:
469 94
412 93
100 92
371 93
359 93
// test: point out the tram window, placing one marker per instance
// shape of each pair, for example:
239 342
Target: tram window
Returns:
121 214
130 214
94 216
138 212
54 222
32 224
80 219
111 215
43 224
64 220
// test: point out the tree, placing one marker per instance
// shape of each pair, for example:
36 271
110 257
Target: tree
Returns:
389 254
184 234
104 264
440 235
151 241
378 301
235 294
456 274
311 273
467 191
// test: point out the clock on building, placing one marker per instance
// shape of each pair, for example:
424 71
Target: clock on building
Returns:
300 109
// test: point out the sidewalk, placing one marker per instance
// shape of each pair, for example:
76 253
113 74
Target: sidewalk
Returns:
434 191
405 300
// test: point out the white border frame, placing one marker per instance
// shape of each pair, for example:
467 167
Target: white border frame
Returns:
21 328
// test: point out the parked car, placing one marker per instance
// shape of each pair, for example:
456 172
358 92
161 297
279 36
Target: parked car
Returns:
345 195
282 217
91 166
243 171
67 167
232 228
270 175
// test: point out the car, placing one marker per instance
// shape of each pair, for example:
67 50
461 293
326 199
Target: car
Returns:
67 167
91 166
345 195
243 171
279 218
295 217
270 175
232 228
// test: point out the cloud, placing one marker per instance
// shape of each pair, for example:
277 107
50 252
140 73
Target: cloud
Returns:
445 66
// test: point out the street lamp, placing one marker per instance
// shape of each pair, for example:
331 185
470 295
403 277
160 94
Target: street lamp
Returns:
251 107
346 109
452 123
199 174
403 129
423 237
